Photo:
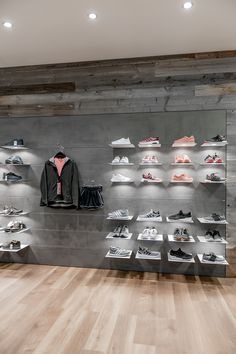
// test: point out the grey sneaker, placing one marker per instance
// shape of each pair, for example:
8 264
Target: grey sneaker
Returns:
15 226
151 215
14 160
119 214
10 211
117 251
212 257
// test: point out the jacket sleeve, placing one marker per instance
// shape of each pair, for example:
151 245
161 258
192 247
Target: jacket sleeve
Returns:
43 188
75 186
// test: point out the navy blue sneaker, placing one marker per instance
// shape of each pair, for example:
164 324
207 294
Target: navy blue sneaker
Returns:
10 176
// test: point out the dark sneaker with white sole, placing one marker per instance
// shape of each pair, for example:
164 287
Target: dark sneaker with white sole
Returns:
10 176
13 245
215 217
179 254
14 160
214 177
217 139
15 143
181 216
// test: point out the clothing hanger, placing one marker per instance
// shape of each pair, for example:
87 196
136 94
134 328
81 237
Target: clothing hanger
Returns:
60 152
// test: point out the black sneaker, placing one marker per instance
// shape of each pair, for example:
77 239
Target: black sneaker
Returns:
11 177
13 245
179 254
217 236
117 231
214 177
181 216
15 142
217 139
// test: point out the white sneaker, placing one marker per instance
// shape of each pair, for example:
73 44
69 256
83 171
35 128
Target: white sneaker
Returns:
121 141
120 213
116 159
146 233
124 160
153 233
120 178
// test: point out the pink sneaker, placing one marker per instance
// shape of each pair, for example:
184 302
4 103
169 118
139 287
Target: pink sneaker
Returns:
150 177
182 159
149 141
147 159
185 140
154 159
182 178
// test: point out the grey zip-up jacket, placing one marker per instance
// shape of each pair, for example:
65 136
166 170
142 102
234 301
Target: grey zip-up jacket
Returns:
69 182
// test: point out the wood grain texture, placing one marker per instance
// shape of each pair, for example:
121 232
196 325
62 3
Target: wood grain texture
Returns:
58 310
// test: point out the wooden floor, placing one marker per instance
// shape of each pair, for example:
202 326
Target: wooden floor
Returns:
49 310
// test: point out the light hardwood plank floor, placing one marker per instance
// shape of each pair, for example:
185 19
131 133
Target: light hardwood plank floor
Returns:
57 310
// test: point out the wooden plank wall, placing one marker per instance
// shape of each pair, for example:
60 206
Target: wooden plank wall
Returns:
199 81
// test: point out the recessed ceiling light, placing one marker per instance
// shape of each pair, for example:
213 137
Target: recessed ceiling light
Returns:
7 24
92 16
188 5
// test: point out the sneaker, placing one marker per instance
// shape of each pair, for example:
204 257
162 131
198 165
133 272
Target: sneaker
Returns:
214 217
217 139
10 176
15 226
181 216
117 251
13 245
146 233
185 140
10 211
151 215
153 233
148 177
116 160
143 251
117 214
179 254
212 257
182 178
178 234
15 142
14 160
150 141
185 235
182 159
154 159
122 141
117 231
209 236
214 177
217 236
217 159
147 159
209 159
124 160
120 178
124 232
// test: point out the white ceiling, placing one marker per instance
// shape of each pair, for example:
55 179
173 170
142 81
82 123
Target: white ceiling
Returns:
56 31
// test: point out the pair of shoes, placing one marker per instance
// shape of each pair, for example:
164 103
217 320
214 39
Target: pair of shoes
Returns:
122 141
15 143
212 257
13 245
10 176
182 178
217 139
215 217
120 178
148 177
179 254
147 253
120 160
151 215
120 213
213 159
121 232
150 159
149 233
182 159
181 216
150 141
118 251
14 160
214 177
181 234
185 140
213 236
10 211
15 226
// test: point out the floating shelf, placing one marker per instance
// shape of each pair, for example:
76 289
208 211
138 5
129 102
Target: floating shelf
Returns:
203 239
180 260
20 181
187 220
150 164
13 216
156 238
121 164
181 182
123 182
126 218
187 145
140 256
14 165
159 219
111 235
150 181
182 164
224 262
212 182
13 250
15 233
172 239
152 146
119 257
14 147
212 164
204 221
209 144
122 146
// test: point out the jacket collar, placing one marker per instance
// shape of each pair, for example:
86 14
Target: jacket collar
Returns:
52 160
